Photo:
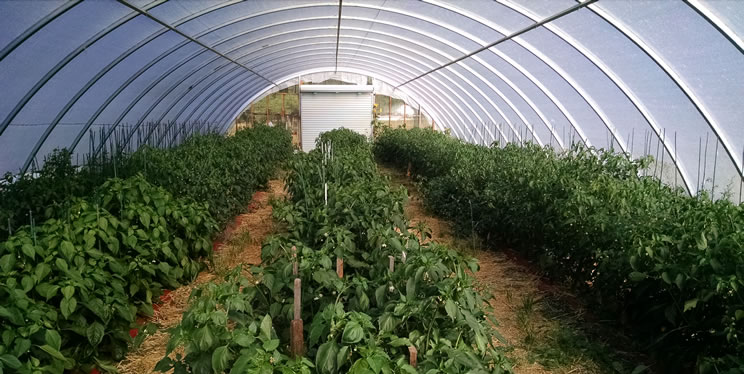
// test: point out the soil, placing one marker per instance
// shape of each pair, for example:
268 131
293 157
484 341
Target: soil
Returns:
239 244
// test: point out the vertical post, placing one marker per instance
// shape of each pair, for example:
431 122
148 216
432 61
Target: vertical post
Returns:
390 109
715 164
403 257
391 263
741 179
412 356
675 159
418 116
661 170
268 102
700 153
340 267
296 335
283 112
705 162
252 118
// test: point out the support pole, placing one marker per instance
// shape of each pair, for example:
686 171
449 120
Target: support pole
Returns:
412 355
390 109
404 114
340 267
297 341
391 264
284 115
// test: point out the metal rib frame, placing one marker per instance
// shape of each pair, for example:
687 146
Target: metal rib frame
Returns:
616 80
315 5
667 68
230 4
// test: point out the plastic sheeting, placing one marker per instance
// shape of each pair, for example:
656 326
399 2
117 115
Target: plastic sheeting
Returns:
645 76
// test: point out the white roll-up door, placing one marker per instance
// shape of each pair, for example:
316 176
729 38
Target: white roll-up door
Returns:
326 107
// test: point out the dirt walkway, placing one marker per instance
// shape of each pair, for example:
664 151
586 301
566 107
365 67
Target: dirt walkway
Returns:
240 244
517 292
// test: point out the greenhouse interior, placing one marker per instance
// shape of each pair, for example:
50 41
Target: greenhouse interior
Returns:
372 186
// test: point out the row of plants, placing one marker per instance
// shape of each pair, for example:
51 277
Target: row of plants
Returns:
668 265
220 171
362 322
72 287
75 285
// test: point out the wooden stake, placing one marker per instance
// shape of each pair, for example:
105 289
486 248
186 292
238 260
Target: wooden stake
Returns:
412 355
340 267
403 257
296 344
392 263
297 298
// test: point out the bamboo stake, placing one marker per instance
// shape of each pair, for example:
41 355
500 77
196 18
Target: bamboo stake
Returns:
340 267
391 264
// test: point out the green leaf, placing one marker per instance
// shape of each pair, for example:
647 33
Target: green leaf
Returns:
94 333
739 314
68 306
67 249
325 360
62 264
411 289
271 345
244 340
266 326
145 219
637 276
103 223
400 342
53 352
353 333
28 250
53 339
690 304
21 346
387 323
41 271
702 242
47 290
380 295
342 356
27 283
10 361
715 264
666 278
7 263
204 338
451 309
68 291
220 359
377 361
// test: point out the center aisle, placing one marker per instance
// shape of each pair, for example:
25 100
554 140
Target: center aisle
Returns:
240 244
